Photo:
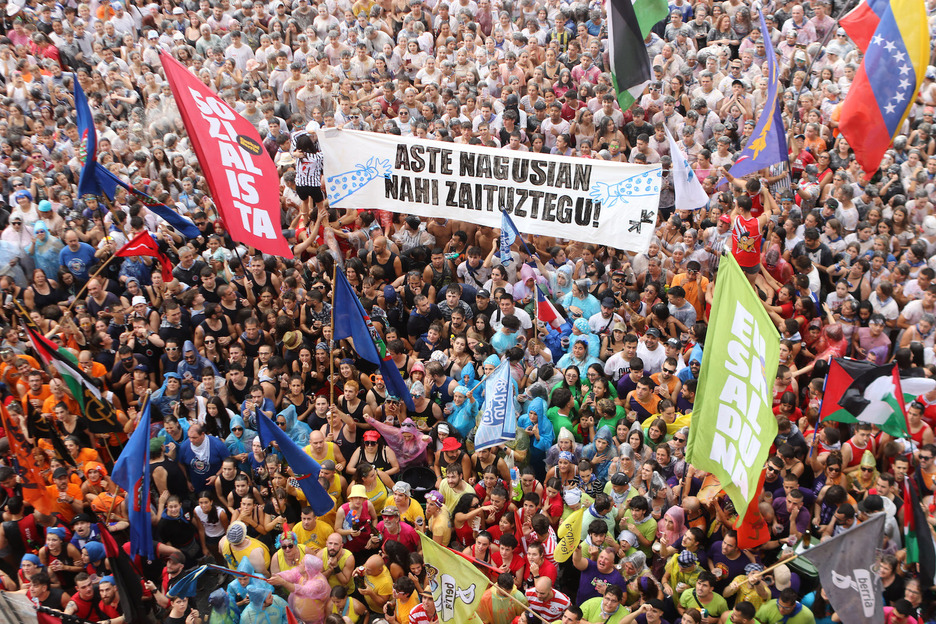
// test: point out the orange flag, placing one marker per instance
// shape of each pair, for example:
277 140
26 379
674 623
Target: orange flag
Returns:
34 487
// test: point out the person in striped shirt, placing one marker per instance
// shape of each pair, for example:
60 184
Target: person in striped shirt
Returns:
545 601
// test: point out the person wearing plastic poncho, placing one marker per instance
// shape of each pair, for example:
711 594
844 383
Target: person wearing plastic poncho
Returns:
45 249
536 425
308 589
223 611
517 451
264 607
460 413
601 452
297 430
237 588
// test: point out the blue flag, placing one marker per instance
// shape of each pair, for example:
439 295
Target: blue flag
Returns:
767 145
499 419
306 469
509 234
87 181
352 321
187 586
132 473
107 182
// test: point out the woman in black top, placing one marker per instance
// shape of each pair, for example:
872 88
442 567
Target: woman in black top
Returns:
176 528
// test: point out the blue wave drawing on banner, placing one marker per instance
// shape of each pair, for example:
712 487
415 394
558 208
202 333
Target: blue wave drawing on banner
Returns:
343 185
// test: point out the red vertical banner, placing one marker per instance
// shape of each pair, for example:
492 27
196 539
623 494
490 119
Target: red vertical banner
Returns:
240 174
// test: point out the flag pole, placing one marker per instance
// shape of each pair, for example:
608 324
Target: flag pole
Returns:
495 586
146 399
331 324
85 287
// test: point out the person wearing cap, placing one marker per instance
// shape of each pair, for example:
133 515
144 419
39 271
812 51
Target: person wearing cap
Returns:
681 572
239 549
750 586
69 500
411 511
392 528
438 518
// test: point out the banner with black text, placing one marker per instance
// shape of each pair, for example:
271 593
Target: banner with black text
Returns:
592 201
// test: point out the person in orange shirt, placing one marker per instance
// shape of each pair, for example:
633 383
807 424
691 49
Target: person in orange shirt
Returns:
694 283
15 368
90 367
643 401
58 394
36 391
69 500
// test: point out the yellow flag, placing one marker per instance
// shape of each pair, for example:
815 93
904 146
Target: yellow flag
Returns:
569 536
456 584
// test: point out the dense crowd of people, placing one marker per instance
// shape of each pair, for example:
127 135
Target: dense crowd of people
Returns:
842 261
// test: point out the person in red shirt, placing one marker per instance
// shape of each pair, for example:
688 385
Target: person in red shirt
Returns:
538 565
800 156
747 230
109 605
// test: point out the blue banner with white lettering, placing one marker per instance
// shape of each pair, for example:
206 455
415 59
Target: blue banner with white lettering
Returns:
499 419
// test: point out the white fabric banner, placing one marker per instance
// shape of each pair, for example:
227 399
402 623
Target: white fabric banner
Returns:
593 201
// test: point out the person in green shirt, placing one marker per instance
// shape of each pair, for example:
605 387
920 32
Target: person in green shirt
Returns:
703 598
637 520
787 609
562 412
605 609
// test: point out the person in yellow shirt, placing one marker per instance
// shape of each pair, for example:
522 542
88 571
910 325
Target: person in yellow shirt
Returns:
406 598
439 520
377 588
322 450
339 563
410 510
312 532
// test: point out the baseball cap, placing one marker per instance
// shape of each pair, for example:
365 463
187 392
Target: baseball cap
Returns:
483 293
60 472
178 11
402 487
725 218
687 559
674 342
82 517
390 510
141 367
619 479
329 464
607 302
653 331
435 497
177 557
152 35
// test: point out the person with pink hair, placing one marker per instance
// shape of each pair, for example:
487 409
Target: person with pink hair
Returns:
670 531
308 589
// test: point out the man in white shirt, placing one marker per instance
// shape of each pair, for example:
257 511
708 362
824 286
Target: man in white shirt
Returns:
505 307
651 352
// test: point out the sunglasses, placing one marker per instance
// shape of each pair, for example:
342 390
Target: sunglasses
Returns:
237 428
680 440
669 370
370 443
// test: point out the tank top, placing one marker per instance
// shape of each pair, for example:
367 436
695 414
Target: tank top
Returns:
389 271
857 453
214 530
346 446
42 301
746 241
441 278
65 578
361 523
225 329
176 481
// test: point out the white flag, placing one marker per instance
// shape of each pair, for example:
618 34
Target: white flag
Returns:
689 192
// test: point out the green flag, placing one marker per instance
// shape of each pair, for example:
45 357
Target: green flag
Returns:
628 25
733 424
456 584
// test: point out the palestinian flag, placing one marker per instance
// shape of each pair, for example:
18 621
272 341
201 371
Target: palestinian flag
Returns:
628 25
878 396
546 311
842 374
918 538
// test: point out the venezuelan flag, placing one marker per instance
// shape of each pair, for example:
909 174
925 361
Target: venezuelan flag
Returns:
887 81
863 20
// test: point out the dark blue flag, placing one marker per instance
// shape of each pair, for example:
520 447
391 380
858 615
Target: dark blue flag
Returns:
132 473
107 182
767 144
87 181
187 586
306 469
351 321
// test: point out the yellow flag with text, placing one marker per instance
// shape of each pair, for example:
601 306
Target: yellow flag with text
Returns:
569 536
456 584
